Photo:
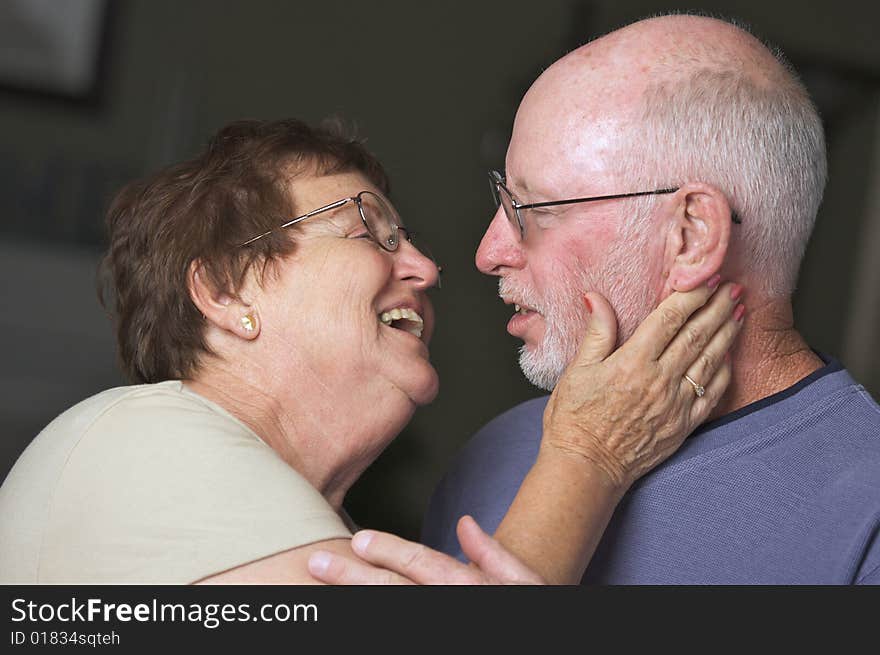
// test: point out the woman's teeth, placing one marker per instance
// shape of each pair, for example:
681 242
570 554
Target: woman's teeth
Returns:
413 322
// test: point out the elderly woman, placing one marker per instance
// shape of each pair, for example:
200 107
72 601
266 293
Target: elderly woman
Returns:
276 357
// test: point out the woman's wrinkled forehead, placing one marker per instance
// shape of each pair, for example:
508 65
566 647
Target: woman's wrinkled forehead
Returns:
312 192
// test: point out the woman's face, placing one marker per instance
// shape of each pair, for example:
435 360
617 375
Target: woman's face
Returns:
321 308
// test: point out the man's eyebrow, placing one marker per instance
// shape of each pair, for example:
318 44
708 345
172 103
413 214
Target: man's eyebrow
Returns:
525 194
514 183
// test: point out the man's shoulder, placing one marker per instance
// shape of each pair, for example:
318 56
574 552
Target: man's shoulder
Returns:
828 410
841 438
844 423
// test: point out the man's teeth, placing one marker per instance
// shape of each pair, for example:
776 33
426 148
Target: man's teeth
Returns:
520 310
415 324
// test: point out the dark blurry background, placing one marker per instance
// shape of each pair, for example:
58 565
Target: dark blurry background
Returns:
94 93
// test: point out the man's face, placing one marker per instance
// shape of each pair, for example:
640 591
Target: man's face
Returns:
567 250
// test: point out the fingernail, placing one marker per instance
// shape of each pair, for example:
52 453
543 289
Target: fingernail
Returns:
736 291
739 312
361 540
319 562
588 305
714 281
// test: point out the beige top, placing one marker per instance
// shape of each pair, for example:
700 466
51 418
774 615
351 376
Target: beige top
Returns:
151 484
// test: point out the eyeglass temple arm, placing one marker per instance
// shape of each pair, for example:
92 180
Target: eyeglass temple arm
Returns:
572 201
294 221
332 205
733 215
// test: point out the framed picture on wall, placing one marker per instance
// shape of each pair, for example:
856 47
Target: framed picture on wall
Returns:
53 49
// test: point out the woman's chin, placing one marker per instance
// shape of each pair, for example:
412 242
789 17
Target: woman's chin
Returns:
426 391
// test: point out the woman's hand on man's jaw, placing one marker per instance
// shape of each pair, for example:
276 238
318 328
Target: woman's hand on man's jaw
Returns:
627 410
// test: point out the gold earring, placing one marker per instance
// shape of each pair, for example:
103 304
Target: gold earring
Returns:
247 322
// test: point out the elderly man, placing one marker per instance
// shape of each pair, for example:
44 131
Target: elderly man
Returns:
723 154
649 161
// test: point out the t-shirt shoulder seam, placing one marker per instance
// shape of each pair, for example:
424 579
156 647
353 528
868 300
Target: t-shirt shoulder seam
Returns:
868 574
870 400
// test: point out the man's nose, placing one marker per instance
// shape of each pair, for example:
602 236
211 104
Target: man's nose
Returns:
412 265
501 247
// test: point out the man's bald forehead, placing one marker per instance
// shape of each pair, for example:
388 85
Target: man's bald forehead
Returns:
607 84
666 48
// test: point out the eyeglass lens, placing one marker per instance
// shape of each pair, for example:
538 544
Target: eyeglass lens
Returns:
503 198
381 219
384 224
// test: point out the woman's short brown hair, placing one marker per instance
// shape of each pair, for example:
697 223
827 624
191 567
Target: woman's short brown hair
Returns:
203 209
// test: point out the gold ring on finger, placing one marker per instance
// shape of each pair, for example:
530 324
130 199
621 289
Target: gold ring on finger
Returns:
699 389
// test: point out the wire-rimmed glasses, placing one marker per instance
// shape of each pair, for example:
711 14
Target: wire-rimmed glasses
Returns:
379 217
512 209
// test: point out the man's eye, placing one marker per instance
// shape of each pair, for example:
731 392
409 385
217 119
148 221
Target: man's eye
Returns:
545 211
543 217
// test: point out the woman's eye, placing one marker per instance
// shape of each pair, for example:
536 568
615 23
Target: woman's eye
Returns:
365 236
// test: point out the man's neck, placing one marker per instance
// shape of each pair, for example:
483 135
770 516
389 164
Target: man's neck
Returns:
769 356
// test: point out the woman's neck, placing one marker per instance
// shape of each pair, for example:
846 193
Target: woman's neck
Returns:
304 426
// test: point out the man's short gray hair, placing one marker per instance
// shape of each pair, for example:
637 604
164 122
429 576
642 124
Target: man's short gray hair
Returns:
758 138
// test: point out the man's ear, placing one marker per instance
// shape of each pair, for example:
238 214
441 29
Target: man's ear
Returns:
220 308
697 237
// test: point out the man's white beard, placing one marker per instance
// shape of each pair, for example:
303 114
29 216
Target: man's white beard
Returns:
622 279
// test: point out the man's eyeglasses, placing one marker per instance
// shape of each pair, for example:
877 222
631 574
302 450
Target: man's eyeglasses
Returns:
379 217
513 209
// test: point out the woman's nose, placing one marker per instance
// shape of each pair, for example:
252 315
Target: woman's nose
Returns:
414 266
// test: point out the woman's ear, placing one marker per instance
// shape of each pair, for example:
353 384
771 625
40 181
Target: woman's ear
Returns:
697 238
220 308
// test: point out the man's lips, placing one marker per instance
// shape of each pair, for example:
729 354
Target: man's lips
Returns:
518 305
521 322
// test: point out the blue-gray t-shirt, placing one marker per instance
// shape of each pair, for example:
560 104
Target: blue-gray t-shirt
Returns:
783 491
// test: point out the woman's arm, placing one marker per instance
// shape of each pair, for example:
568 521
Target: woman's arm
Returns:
288 567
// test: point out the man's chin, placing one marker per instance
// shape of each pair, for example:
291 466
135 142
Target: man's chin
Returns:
539 368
